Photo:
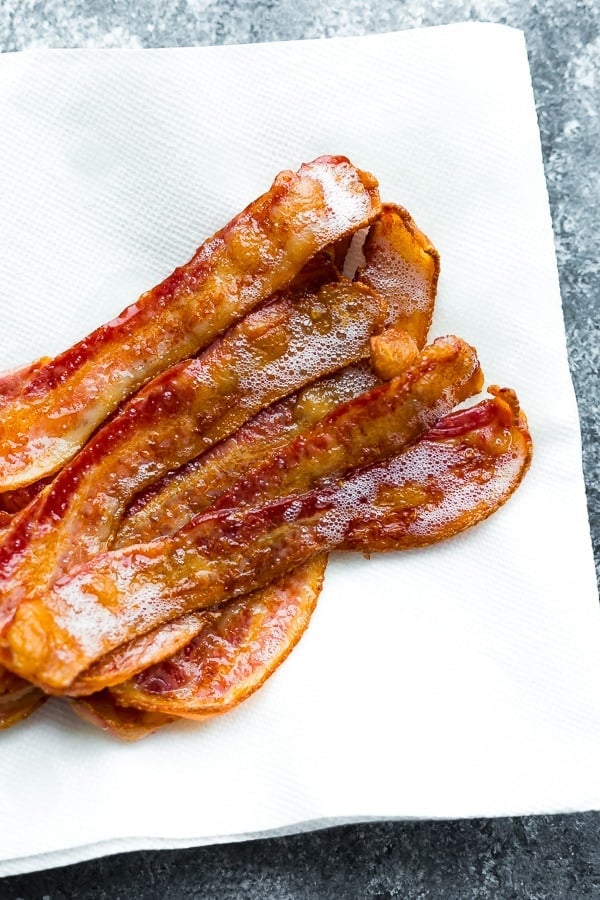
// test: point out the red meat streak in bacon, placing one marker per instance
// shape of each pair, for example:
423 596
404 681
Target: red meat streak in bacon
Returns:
258 253
46 641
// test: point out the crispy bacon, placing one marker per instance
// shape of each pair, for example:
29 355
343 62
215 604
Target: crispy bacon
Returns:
182 412
234 651
178 558
258 253
121 594
403 266
373 426
18 698
170 504
14 711
457 474
126 723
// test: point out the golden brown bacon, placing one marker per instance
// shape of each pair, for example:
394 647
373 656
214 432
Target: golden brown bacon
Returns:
452 478
170 504
121 594
458 473
173 503
18 698
211 577
234 651
259 252
403 266
14 711
183 411
373 426
123 722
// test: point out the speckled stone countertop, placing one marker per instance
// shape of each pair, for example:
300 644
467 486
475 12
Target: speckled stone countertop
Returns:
532 857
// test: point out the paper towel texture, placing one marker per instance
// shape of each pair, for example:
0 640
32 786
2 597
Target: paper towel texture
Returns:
461 680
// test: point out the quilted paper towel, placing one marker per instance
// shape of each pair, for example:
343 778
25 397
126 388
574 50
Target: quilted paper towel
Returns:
461 680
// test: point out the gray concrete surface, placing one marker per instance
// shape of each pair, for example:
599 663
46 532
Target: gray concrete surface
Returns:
530 857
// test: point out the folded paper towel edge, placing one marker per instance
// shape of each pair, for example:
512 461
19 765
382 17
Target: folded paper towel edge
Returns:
54 859
7 58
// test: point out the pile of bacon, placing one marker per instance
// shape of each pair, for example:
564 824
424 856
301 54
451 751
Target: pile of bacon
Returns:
171 485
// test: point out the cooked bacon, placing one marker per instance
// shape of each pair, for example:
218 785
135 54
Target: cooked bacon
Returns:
170 503
14 501
177 559
185 410
233 652
118 595
258 253
403 266
373 426
12 381
14 711
457 474
175 499
124 722
433 490
18 698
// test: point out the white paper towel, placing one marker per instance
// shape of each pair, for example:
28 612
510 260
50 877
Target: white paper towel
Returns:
461 680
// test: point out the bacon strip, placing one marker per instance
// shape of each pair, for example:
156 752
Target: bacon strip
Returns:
182 412
479 458
236 649
403 266
123 593
258 253
170 503
427 494
18 698
457 474
373 426
13 380
14 711
123 722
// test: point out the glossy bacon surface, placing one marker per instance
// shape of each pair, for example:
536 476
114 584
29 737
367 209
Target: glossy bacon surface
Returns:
458 473
13 380
119 595
235 651
403 266
454 476
170 504
50 417
373 426
185 410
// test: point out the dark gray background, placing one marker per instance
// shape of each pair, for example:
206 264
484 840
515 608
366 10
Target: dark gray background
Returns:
533 857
